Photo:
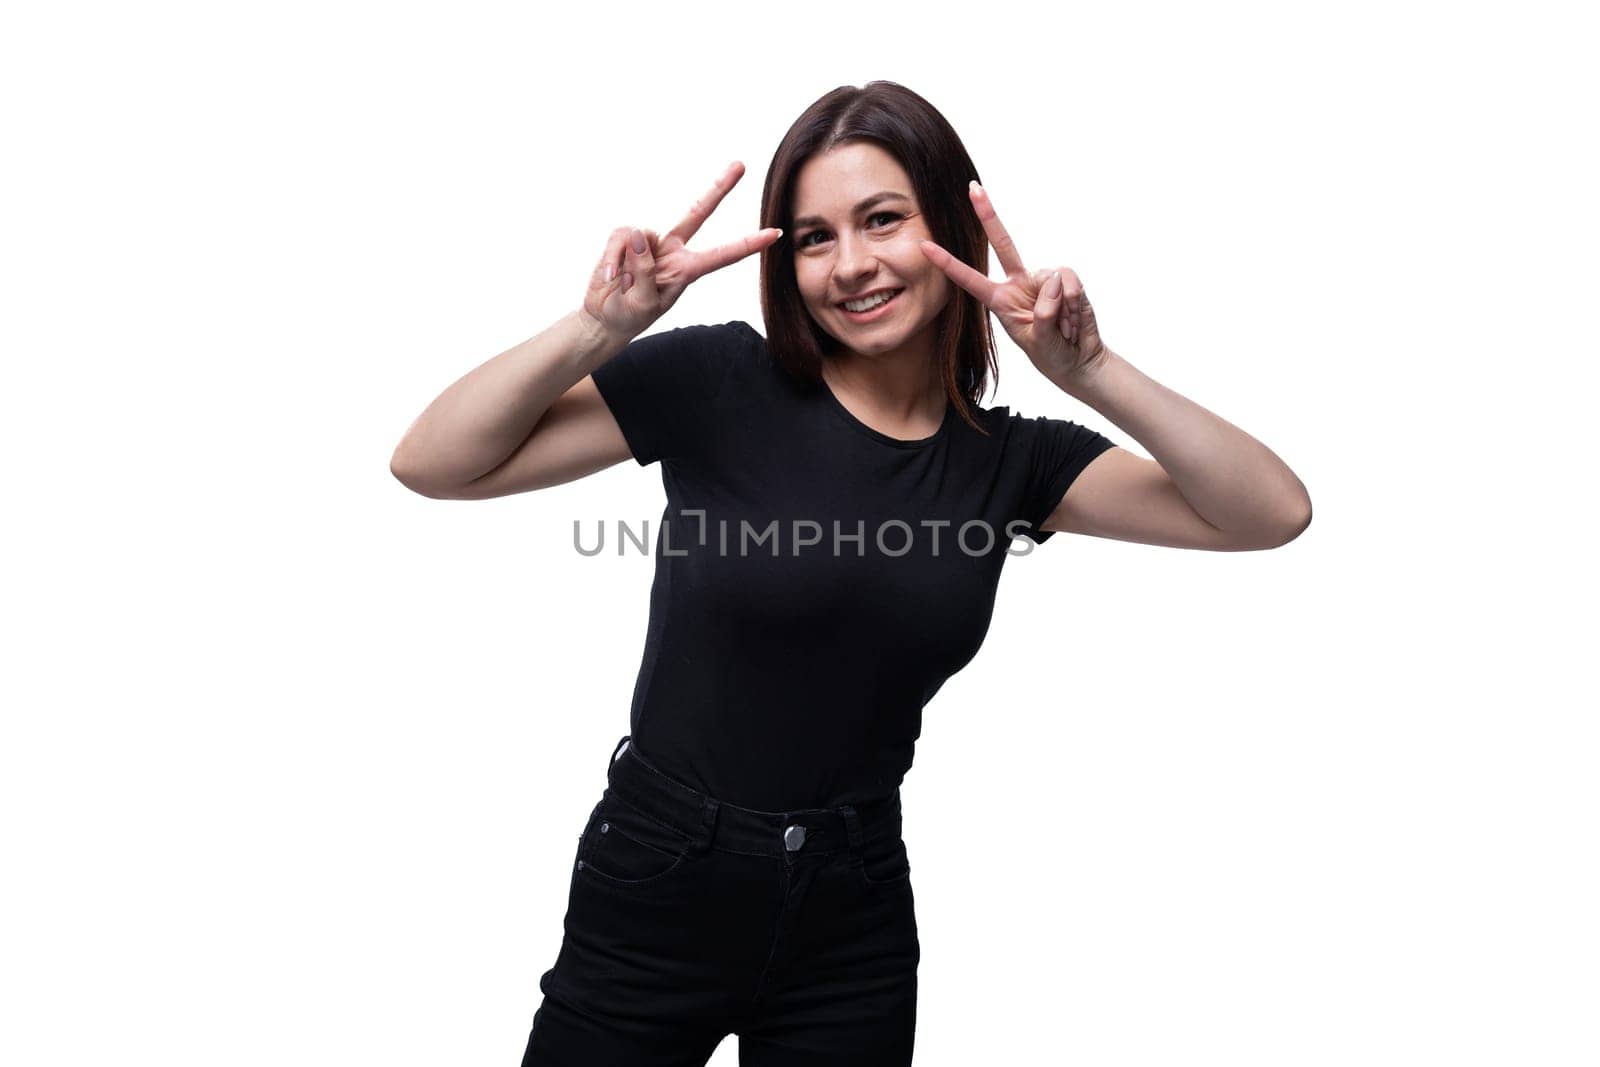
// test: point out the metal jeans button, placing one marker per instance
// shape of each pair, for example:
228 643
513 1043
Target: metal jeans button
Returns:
794 837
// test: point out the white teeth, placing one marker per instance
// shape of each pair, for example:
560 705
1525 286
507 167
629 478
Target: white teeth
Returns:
869 304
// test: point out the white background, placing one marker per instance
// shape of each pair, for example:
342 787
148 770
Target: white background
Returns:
294 761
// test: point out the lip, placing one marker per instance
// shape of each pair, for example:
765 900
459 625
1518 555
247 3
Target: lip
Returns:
874 313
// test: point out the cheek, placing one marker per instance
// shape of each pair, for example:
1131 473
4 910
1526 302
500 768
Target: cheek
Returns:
807 282
935 283
916 266
938 292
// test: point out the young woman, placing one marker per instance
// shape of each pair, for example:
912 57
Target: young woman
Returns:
839 507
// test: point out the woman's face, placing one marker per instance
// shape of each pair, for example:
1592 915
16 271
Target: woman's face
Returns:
845 248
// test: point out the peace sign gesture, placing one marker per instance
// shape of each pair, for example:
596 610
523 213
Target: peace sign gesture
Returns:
640 275
1045 311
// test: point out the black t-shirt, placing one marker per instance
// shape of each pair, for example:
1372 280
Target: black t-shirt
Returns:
816 581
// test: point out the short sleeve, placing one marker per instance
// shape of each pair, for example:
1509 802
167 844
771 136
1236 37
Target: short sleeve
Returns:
662 388
1058 451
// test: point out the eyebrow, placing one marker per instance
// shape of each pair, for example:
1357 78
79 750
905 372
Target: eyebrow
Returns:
875 198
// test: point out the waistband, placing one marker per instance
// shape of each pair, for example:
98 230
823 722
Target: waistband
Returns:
711 823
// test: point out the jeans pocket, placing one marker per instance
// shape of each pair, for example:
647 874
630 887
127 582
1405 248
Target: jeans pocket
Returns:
625 845
885 862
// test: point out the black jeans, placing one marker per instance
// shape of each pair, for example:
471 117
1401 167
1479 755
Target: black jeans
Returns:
689 919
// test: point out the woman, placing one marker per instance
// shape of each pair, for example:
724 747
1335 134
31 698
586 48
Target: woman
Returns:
839 507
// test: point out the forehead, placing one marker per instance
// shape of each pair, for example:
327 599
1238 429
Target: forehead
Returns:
831 183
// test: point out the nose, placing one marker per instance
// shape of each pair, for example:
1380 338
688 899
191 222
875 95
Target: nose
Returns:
855 262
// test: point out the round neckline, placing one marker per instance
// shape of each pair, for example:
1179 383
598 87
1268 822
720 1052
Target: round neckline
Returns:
877 435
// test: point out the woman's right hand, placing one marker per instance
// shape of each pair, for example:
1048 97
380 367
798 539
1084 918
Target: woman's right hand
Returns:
641 274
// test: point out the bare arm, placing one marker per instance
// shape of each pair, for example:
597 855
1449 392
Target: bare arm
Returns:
527 419
531 417
1211 485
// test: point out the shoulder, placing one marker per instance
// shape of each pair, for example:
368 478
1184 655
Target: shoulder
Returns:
694 349
738 328
1045 440
1001 425
1028 429
665 388
744 344
721 335
722 343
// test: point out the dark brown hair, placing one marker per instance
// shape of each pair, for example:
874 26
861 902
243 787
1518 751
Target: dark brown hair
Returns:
924 143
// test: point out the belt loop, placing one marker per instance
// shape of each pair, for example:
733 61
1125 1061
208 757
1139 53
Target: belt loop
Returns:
708 822
617 751
852 825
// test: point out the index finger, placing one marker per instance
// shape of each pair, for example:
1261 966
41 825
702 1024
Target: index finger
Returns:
969 279
702 208
1005 248
723 255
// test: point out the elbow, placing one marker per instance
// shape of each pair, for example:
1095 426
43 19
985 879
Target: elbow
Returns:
415 478
1276 533
1294 525
404 471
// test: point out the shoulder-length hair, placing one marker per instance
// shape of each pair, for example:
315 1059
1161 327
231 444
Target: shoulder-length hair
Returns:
924 143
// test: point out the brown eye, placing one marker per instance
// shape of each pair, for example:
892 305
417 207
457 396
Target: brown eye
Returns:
804 240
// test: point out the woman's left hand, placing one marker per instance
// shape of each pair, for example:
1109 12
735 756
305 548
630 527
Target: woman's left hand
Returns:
1045 311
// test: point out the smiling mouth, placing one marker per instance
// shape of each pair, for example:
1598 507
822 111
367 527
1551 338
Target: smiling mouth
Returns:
894 294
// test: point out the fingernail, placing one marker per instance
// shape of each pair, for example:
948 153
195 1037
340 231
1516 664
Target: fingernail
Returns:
638 240
609 269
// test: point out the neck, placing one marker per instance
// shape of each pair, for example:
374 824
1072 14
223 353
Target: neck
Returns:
900 386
